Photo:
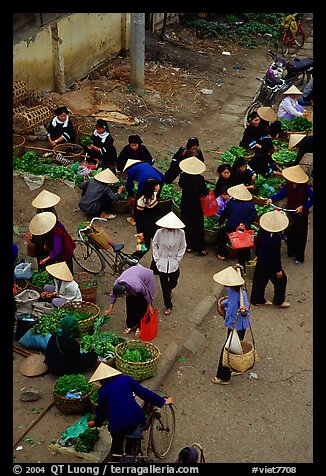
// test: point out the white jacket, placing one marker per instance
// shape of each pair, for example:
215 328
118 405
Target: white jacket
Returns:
68 290
168 247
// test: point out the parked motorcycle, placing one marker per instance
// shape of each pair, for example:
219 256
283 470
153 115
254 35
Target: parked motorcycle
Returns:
281 74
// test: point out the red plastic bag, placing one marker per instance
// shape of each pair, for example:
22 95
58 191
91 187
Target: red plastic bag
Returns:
242 239
149 325
208 204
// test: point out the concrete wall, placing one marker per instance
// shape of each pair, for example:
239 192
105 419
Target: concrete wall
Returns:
84 41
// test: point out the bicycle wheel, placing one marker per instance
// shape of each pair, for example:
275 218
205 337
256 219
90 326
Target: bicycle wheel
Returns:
300 37
286 42
162 431
87 257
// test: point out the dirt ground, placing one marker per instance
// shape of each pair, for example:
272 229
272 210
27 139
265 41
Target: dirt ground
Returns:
173 109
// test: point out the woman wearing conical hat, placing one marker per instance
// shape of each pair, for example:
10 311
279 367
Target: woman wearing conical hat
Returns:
269 265
239 211
299 197
65 287
289 107
169 246
97 195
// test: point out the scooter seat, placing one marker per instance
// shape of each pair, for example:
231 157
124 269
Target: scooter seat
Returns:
300 65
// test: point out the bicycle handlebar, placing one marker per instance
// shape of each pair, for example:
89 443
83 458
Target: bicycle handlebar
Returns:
88 227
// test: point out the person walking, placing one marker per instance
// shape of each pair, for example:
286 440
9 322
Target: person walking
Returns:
169 246
269 266
134 150
193 187
138 285
101 148
239 212
117 405
191 149
97 196
237 315
299 199
60 130
65 288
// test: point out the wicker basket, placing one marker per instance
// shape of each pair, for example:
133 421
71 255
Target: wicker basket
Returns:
85 325
121 206
100 236
220 309
138 370
241 362
71 152
87 288
18 148
33 116
20 92
72 405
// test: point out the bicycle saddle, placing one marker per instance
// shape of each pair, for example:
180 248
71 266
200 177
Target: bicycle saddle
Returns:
117 246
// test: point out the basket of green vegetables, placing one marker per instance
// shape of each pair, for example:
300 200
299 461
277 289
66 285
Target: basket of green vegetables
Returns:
137 359
71 393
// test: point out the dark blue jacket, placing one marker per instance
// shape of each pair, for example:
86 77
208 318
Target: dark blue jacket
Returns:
236 212
141 172
117 404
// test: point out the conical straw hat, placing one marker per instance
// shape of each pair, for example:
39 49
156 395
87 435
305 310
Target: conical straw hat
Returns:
295 174
103 371
292 90
192 166
42 223
295 139
274 221
240 192
60 271
33 365
229 277
106 176
129 163
170 220
45 199
267 114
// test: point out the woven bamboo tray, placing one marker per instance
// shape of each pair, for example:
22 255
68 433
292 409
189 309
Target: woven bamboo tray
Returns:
85 325
18 148
72 405
138 370
71 152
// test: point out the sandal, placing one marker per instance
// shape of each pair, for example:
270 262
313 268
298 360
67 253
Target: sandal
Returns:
131 220
127 331
220 257
189 250
137 333
167 311
201 253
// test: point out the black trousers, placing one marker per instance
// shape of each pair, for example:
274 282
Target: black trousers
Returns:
224 373
260 281
297 233
136 307
118 440
105 204
168 282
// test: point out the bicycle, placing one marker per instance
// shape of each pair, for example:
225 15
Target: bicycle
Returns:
92 255
294 33
161 425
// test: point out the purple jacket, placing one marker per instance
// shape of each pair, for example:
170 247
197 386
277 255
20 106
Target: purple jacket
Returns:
140 280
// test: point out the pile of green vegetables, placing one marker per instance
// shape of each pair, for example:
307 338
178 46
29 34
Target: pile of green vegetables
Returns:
298 124
94 396
265 187
50 323
229 156
115 186
167 192
40 278
84 140
284 157
261 209
87 440
103 343
73 382
138 353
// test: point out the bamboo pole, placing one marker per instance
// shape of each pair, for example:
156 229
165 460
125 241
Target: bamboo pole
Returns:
23 433
37 148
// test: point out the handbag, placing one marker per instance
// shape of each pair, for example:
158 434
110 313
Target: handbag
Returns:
208 204
149 325
241 239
